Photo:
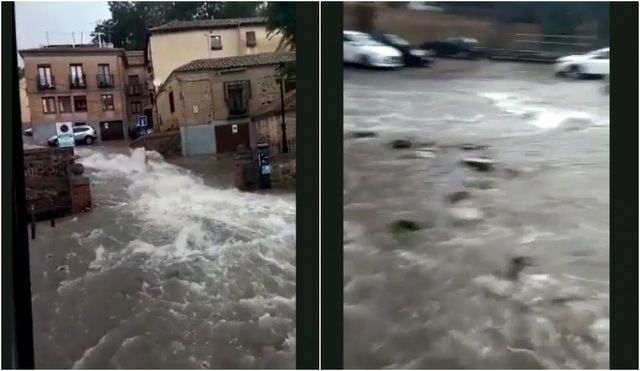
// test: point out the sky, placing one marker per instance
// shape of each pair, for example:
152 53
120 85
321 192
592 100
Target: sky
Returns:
59 18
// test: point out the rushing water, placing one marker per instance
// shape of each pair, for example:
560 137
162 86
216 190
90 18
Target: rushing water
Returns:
165 272
435 298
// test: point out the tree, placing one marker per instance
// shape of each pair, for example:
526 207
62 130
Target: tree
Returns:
131 20
281 18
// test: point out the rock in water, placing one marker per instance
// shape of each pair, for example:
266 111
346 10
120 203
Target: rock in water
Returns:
456 197
402 225
479 163
363 134
401 144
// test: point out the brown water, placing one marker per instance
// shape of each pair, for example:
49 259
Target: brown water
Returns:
431 298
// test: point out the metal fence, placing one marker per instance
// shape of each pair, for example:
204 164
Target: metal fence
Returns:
544 48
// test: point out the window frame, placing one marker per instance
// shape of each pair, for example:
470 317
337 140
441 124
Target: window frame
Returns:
75 103
45 105
254 40
112 107
49 78
172 105
60 100
135 103
211 44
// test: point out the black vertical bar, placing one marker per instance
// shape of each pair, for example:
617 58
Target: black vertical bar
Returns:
307 185
331 177
17 324
624 185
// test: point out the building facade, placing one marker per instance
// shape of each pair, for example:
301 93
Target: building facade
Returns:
211 101
137 89
77 84
179 42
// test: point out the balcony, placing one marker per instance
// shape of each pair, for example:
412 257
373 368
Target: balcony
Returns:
45 83
78 81
239 110
134 90
105 81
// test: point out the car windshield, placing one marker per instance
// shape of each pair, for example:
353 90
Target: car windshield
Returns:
362 39
396 39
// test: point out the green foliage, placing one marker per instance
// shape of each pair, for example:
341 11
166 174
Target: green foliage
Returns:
281 18
131 20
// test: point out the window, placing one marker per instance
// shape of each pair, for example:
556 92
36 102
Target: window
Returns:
216 42
45 78
64 104
80 130
172 107
77 76
80 103
107 102
237 94
134 79
49 105
251 39
104 76
136 107
289 84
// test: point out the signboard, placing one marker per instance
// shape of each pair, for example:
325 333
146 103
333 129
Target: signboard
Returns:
46 181
65 134
142 121
234 129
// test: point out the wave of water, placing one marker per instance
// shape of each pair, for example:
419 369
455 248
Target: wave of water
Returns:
209 273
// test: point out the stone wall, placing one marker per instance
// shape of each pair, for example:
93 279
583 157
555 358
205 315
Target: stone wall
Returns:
167 143
283 172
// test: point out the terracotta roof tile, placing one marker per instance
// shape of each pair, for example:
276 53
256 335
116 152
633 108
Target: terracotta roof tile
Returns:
206 23
250 60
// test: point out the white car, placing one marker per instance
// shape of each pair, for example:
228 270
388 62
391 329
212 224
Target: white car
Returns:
595 63
81 133
360 48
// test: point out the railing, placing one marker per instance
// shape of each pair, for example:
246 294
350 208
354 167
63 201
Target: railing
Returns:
134 89
239 112
78 82
105 80
46 83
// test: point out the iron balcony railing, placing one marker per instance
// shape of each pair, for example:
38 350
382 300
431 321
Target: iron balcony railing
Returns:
105 81
134 89
78 81
45 83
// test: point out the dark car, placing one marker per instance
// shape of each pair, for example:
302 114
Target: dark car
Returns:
412 55
460 47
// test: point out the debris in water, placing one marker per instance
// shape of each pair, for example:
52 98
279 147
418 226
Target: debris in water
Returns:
479 163
363 134
474 147
402 225
401 144
456 197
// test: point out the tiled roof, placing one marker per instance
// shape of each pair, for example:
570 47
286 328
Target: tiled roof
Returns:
55 50
250 60
206 23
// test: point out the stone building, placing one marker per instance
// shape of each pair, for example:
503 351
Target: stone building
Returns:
81 83
211 101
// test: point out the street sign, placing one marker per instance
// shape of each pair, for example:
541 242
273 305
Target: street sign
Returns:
65 134
142 121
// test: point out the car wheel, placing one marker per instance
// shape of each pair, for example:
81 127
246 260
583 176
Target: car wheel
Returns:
88 140
365 60
574 72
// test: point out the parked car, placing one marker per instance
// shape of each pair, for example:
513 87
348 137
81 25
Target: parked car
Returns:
592 64
359 48
412 55
81 133
28 132
463 47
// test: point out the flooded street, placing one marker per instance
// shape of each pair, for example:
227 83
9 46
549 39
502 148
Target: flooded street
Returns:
169 270
429 242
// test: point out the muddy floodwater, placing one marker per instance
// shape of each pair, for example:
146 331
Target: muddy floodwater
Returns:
169 270
428 239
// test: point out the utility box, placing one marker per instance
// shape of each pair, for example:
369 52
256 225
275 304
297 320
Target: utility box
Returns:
244 172
264 165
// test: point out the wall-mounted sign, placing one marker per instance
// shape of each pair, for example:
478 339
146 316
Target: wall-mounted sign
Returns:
234 128
196 109
106 125
142 121
65 134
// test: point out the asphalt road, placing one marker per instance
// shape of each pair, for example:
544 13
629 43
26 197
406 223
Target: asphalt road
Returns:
435 297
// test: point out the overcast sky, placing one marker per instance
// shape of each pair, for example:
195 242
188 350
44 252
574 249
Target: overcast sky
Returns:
59 18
